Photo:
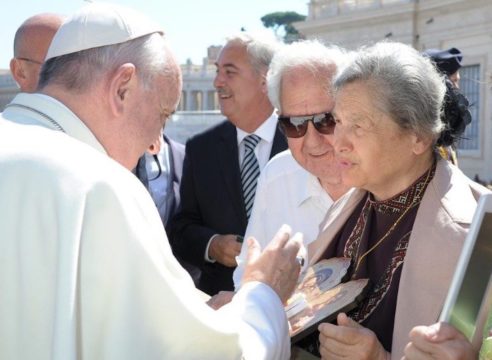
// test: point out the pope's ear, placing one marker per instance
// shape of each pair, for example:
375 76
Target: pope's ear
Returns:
122 85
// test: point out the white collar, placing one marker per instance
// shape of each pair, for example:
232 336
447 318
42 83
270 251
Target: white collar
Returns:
312 189
265 131
42 107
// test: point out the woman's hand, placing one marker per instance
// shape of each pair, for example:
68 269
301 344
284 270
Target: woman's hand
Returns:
349 340
438 341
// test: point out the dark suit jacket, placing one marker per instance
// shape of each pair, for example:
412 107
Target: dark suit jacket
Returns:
212 200
176 158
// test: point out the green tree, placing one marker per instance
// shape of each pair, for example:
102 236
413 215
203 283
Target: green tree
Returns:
282 19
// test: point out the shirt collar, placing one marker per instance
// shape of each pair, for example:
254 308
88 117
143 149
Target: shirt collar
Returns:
56 110
265 131
312 189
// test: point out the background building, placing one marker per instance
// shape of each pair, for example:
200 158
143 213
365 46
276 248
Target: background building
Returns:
199 105
198 89
465 24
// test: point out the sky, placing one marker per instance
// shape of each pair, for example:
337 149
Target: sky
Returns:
190 25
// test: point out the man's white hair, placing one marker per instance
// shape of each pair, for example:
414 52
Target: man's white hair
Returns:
308 54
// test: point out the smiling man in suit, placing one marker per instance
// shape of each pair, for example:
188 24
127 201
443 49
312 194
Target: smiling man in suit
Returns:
222 164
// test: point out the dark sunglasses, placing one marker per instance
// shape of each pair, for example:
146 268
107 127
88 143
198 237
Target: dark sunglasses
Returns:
296 126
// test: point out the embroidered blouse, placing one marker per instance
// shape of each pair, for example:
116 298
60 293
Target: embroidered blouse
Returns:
376 238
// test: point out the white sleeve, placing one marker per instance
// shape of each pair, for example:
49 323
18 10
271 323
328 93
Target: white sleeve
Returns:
260 308
205 256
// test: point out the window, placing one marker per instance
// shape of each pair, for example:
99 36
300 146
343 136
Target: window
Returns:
470 87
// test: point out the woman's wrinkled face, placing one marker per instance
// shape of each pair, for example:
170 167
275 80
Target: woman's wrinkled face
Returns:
373 152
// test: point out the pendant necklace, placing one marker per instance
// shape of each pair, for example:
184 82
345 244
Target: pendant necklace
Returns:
49 118
415 201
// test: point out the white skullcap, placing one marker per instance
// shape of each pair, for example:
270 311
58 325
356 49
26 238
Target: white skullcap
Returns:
100 24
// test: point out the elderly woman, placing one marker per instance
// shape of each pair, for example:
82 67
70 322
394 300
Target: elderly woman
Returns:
404 225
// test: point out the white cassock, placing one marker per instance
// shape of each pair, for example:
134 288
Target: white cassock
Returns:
86 271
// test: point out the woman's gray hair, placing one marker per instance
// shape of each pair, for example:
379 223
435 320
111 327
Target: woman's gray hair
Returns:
308 54
260 48
77 71
403 84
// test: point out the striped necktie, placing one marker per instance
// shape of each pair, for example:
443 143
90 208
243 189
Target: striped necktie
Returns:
250 170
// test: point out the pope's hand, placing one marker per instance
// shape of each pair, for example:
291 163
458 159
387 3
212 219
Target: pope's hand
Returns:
276 266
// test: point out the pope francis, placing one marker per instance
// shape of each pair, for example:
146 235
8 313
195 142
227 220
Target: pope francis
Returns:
86 271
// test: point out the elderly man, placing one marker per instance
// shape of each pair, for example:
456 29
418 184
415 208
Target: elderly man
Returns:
298 186
31 43
222 165
84 270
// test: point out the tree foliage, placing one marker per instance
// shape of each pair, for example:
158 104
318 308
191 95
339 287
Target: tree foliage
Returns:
279 19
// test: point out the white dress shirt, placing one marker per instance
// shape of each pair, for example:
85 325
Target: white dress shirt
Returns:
84 270
286 194
266 132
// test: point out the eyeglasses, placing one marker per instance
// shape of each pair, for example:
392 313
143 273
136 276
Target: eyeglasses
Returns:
296 126
29 60
159 168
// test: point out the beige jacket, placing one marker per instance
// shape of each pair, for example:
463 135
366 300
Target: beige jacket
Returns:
442 222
